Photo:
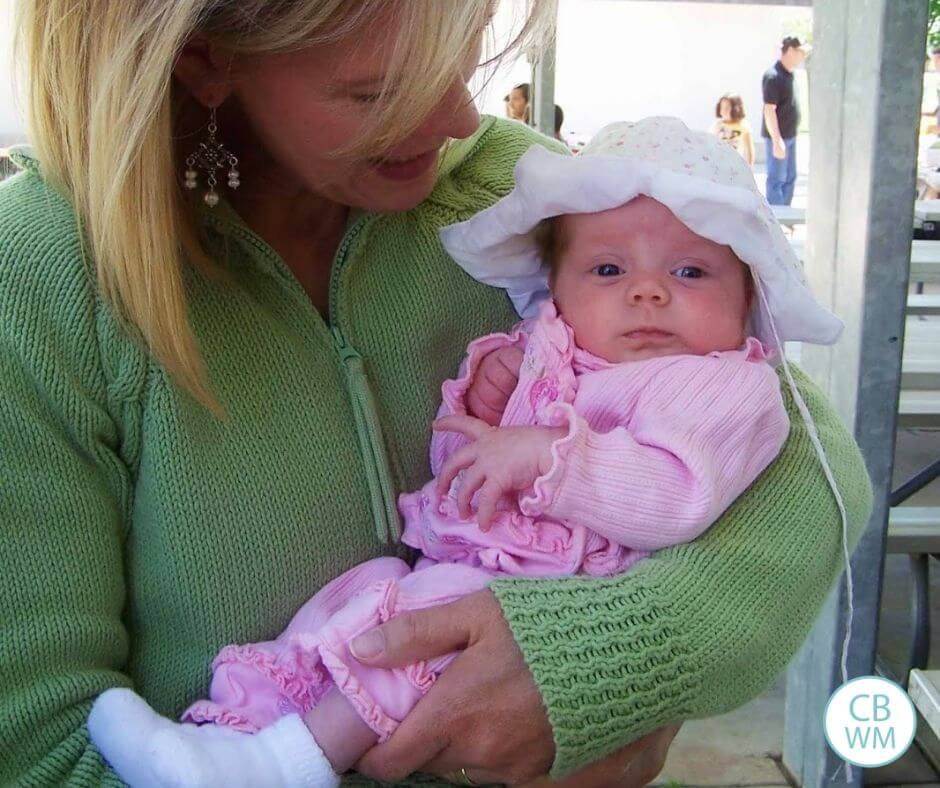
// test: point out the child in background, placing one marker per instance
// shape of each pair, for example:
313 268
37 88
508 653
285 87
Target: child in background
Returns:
732 127
657 290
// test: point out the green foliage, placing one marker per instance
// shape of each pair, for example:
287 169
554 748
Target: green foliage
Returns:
933 25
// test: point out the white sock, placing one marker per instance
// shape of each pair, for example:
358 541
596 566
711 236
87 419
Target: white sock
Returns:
147 750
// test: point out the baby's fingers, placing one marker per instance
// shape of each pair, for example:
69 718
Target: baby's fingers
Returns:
460 459
468 426
487 501
472 481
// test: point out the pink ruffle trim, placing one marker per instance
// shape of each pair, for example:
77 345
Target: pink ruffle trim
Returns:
301 679
418 674
302 682
207 711
544 489
752 350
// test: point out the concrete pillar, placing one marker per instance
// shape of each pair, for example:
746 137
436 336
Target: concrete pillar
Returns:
542 86
866 78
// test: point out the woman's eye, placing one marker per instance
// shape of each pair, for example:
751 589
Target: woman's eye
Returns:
689 272
607 269
369 98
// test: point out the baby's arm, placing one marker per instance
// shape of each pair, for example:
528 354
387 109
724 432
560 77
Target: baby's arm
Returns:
479 373
704 429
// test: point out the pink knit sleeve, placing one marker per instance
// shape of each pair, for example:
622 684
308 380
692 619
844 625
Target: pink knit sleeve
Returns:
701 432
454 391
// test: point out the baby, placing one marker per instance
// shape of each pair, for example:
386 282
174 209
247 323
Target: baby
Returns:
656 288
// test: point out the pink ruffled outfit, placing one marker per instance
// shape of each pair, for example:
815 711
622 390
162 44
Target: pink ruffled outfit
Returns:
655 450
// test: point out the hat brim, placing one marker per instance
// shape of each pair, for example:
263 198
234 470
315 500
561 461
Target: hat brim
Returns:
497 246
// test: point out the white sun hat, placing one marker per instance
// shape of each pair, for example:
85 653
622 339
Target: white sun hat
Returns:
703 181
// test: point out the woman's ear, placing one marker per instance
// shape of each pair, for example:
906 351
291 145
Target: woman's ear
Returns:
205 71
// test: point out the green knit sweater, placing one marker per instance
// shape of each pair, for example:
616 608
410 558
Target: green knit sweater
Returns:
138 534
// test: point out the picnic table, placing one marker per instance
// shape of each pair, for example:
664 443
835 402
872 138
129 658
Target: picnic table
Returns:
925 259
789 216
924 211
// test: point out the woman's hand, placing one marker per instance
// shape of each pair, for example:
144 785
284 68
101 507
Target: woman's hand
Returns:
493 384
484 714
500 460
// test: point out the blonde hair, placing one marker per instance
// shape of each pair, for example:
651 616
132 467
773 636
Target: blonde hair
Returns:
101 120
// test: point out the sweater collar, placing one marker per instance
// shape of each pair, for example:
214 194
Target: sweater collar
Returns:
24 157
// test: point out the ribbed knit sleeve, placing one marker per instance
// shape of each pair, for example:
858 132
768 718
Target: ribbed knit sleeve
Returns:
703 429
63 492
701 628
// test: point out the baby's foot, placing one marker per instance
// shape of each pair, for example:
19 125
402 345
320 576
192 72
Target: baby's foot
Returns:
147 750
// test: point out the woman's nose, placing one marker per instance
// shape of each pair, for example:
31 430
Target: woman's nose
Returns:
454 116
649 289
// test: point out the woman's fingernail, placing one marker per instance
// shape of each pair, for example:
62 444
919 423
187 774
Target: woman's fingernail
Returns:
368 645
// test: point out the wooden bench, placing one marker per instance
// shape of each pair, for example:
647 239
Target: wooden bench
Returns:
924 689
925 259
924 210
919 372
919 409
920 304
914 530
789 216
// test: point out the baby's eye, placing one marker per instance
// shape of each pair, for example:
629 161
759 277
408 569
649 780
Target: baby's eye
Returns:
369 98
607 269
689 272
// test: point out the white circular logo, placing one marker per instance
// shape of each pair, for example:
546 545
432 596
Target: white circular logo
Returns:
870 721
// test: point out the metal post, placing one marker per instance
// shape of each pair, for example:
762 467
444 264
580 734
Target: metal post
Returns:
542 89
867 77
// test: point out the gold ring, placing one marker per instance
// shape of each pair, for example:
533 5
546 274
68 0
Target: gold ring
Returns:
460 777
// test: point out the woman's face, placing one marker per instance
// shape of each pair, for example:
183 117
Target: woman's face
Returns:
303 106
517 104
724 109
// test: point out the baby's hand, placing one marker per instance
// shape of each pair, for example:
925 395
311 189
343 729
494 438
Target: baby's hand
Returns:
493 384
499 461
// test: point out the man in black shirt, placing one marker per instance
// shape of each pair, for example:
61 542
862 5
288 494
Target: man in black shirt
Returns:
780 122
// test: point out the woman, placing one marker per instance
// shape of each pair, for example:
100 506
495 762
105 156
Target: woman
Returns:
207 411
517 103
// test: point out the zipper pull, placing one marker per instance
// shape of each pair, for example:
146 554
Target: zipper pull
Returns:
346 352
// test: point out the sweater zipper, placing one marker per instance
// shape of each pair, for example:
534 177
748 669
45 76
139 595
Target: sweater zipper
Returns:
368 428
372 447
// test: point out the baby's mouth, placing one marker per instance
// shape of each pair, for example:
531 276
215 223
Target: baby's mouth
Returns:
648 334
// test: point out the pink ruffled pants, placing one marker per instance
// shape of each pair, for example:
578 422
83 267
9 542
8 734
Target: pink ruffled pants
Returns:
254 685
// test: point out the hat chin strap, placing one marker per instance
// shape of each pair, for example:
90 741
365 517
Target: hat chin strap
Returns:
827 470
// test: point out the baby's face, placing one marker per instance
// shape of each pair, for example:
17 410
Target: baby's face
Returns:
635 283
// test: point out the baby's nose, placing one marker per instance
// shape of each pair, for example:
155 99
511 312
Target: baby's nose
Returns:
649 289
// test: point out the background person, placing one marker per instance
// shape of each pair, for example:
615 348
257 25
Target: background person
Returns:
781 119
930 101
559 122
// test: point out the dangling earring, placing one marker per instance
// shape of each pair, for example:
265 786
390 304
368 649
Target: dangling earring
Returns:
211 156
